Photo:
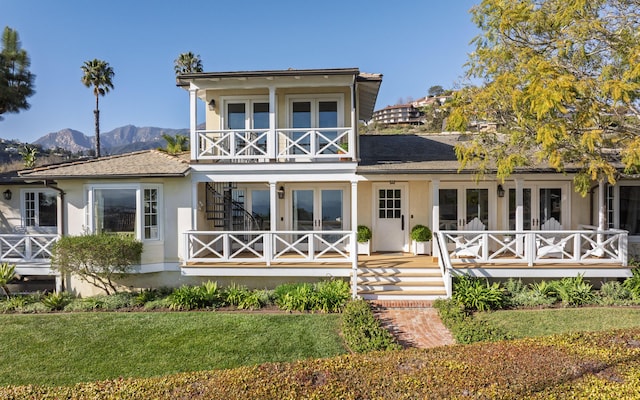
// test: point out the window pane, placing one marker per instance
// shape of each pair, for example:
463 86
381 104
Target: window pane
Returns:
550 205
48 209
260 115
478 205
301 119
115 210
630 209
448 200
30 209
235 116
151 230
261 209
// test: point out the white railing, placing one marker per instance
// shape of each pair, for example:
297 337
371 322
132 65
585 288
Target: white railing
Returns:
22 248
270 247
444 262
536 247
280 144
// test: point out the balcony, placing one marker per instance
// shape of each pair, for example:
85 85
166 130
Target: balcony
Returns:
281 145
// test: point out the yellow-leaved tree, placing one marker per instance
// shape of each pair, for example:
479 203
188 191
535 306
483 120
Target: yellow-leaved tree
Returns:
561 81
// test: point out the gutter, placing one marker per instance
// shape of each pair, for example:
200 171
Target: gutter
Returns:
61 218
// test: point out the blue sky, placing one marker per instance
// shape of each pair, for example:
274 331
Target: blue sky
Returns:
415 44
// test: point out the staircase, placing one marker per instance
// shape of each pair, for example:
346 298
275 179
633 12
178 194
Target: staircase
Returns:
400 278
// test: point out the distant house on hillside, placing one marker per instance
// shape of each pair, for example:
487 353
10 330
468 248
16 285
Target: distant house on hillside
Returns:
401 114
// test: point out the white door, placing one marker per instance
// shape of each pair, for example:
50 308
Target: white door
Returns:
540 204
390 228
459 206
318 209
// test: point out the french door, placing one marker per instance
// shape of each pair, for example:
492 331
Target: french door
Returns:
541 203
318 209
314 113
248 115
460 206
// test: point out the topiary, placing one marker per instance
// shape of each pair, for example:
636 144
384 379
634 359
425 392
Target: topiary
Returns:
364 234
421 233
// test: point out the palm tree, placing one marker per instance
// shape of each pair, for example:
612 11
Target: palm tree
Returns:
186 63
99 74
176 144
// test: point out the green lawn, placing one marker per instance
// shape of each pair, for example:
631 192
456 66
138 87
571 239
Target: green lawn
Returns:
530 323
60 349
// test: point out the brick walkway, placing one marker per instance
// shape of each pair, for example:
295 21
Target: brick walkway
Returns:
413 323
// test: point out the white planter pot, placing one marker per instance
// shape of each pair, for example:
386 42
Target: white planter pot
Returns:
364 247
421 247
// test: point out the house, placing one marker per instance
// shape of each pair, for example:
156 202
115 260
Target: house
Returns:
407 114
276 183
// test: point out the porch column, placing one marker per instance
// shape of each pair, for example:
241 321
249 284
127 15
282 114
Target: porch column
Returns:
272 137
193 120
602 215
435 212
519 213
353 242
194 206
273 205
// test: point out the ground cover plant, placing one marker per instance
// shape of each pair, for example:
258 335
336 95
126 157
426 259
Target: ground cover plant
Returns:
48 349
604 365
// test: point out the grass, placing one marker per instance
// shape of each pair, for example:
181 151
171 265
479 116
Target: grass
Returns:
532 323
62 349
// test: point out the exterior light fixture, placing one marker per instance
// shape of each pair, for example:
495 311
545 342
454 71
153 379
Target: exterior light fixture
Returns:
281 192
212 104
7 194
500 191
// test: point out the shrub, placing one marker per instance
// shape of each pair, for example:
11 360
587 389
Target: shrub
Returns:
211 295
362 331
364 233
15 303
420 233
254 300
546 289
299 298
159 304
145 296
234 294
477 294
613 293
7 274
575 291
331 296
56 301
186 298
632 284
97 259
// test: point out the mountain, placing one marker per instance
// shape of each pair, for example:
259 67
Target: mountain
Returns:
117 141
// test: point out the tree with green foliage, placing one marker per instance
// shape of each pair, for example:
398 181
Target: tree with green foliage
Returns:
436 90
16 81
98 259
29 155
176 144
561 80
187 63
99 75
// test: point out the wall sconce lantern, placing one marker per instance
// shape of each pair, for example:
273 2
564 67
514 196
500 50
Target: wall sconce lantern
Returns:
212 104
7 194
281 192
500 191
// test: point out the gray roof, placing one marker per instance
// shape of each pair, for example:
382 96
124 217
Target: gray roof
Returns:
148 163
417 154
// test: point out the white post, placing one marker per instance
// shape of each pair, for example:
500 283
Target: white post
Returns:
354 123
193 121
273 221
272 137
353 242
435 214
602 214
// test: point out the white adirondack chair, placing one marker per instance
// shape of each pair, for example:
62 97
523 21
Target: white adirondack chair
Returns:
468 248
548 245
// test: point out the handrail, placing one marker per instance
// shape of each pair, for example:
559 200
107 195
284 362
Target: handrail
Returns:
20 248
444 262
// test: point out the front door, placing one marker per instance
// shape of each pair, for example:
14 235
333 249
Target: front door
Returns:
390 226
540 205
459 207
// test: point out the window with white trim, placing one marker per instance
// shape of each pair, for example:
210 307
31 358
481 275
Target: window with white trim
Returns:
129 209
40 208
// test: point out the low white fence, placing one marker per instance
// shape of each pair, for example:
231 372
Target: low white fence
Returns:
24 248
270 246
536 247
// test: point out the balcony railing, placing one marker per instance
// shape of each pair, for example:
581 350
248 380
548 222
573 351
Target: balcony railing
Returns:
280 144
536 247
25 248
269 247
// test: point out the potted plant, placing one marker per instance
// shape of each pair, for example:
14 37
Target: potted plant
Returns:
364 240
421 239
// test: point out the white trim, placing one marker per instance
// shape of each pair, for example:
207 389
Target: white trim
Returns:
314 99
248 102
23 211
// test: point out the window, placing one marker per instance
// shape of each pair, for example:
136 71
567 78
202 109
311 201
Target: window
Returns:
40 208
125 209
630 209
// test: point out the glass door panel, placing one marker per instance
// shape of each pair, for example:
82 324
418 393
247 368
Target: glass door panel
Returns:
260 120
332 218
477 201
448 200
303 210
236 116
301 118
526 205
327 118
550 205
